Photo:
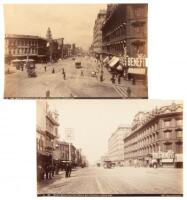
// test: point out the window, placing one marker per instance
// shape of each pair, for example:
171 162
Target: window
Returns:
179 133
168 147
167 123
139 12
179 122
179 148
167 134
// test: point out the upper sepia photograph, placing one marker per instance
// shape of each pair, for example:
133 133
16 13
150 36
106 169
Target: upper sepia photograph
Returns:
76 51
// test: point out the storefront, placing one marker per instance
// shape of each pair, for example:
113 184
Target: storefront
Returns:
137 74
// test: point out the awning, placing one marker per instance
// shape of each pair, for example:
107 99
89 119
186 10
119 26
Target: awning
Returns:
113 61
16 60
140 71
28 60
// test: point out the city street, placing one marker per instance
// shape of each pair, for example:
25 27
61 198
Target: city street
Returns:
119 180
17 83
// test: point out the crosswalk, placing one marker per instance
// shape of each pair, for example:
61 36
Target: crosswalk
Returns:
121 90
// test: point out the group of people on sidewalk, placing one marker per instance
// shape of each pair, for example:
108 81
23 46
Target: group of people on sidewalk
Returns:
48 171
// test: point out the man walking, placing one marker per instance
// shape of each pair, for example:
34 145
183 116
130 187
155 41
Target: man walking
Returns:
64 75
66 170
69 171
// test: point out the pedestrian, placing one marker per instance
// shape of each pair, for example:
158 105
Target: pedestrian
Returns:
128 92
53 71
69 171
21 67
45 68
64 75
119 79
66 170
101 77
113 78
46 171
40 173
133 81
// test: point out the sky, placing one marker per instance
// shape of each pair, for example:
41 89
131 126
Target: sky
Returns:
73 22
93 121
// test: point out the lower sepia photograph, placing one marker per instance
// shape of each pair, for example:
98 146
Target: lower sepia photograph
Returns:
109 147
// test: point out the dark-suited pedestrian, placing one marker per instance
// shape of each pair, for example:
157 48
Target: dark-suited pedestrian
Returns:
128 92
70 169
67 170
53 71
46 171
45 68
64 75
119 79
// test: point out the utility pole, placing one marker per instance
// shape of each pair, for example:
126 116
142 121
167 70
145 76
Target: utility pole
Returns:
69 136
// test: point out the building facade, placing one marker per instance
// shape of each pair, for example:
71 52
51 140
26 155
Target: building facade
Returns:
125 26
46 134
97 33
67 50
55 49
116 145
156 135
24 46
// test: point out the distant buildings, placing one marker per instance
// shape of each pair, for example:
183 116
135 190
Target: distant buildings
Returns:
37 48
23 46
97 33
116 144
